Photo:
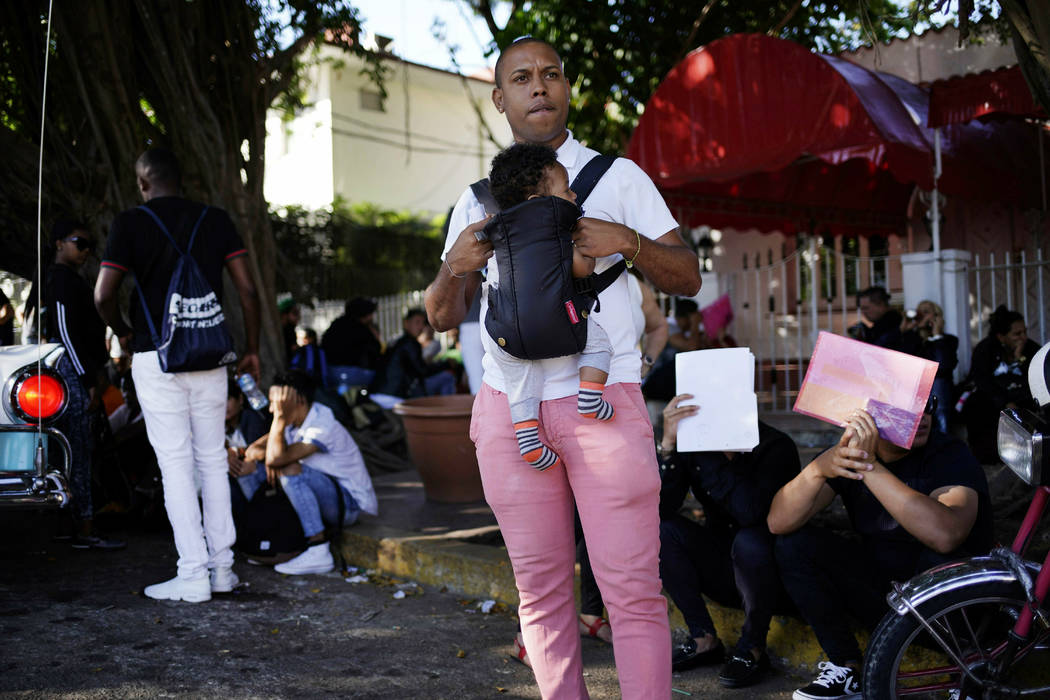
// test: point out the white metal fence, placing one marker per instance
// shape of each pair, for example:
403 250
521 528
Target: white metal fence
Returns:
389 312
1020 282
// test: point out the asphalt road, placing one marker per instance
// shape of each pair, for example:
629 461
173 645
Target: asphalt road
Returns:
74 624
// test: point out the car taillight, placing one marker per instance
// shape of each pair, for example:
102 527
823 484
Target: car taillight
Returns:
39 397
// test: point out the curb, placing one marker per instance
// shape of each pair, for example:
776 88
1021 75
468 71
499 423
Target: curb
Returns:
485 572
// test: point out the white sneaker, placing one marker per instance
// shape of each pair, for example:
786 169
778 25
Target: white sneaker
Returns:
315 560
223 580
192 591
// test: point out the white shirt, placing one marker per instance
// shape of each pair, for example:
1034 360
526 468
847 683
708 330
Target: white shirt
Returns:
337 454
625 195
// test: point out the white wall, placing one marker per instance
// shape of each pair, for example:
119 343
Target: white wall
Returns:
417 155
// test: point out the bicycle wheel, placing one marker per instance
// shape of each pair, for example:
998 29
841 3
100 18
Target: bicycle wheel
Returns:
904 660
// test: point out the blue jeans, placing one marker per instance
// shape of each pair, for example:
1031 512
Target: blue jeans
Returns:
314 496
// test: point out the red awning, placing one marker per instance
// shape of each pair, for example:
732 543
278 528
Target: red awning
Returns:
964 98
752 131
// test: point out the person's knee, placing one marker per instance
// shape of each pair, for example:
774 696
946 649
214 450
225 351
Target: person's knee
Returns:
792 549
753 550
293 469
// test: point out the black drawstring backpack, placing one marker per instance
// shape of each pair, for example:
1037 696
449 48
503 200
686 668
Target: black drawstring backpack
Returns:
193 333
538 311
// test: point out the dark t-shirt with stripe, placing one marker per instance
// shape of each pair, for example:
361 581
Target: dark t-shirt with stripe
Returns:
137 246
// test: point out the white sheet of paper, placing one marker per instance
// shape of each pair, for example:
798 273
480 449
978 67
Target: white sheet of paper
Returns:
722 383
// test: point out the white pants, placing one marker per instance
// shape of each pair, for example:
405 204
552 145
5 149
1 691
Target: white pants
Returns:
185 415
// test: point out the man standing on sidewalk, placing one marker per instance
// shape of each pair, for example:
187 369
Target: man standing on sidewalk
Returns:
184 411
609 467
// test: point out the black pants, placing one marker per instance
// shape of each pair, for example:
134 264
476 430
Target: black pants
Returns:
832 579
695 561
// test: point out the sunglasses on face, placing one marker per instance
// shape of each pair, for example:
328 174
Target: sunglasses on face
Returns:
81 242
931 406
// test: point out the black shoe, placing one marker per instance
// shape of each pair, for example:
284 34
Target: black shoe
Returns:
95 542
833 682
743 669
686 656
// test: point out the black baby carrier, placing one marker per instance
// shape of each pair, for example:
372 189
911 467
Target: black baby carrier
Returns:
538 311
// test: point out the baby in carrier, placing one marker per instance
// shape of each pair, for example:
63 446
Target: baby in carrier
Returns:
519 175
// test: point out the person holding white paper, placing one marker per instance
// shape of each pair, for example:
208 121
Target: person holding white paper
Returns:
730 557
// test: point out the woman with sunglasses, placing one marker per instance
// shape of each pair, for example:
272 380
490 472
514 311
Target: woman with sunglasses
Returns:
69 317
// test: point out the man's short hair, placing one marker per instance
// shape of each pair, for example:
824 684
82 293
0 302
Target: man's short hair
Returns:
413 312
359 307
160 165
64 228
684 307
299 380
518 171
520 41
877 294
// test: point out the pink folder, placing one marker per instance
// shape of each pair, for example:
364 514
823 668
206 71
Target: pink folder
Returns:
845 374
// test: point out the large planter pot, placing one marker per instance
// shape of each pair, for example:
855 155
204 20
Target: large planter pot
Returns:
437 431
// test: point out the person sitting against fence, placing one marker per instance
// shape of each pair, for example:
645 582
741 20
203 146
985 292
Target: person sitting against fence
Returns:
244 426
913 509
310 357
728 558
318 464
403 374
922 334
520 173
352 345
290 317
998 379
879 323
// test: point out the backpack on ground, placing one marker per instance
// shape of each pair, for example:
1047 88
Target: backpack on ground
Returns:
538 310
193 333
268 528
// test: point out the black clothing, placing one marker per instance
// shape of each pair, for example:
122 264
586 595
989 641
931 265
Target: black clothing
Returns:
886 332
943 461
350 342
291 344
943 350
734 493
730 558
138 246
828 576
7 330
403 370
70 318
998 379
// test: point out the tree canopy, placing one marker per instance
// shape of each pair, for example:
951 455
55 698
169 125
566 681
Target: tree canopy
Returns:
616 53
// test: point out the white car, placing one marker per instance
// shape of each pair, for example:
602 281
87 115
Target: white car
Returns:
34 457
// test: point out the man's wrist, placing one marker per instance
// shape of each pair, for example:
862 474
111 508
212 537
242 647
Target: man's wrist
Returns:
665 450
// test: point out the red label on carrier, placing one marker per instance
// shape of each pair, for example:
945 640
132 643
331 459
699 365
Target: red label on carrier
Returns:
571 310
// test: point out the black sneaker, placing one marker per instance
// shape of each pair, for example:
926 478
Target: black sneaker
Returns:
838 682
96 542
743 669
686 656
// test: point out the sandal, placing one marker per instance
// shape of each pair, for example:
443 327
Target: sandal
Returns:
594 627
519 652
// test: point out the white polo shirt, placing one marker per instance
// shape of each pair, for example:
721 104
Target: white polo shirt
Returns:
337 454
625 195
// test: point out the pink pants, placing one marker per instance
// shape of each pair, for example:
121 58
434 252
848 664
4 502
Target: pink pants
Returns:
610 469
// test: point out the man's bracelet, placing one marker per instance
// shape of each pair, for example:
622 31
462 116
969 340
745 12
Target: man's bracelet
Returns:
630 263
452 272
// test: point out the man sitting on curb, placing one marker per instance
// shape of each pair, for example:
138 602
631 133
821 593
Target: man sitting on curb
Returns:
730 557
317 462
913 509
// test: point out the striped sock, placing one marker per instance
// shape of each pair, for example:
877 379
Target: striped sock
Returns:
533 451
590 402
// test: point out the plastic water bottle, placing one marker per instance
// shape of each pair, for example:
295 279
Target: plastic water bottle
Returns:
256 399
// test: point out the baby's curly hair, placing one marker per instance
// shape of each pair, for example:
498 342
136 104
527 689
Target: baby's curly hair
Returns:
518 172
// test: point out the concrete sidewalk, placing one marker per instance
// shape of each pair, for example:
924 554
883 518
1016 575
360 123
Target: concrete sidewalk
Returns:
457 545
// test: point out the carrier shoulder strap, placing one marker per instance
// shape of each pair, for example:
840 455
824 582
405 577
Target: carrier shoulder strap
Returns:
590 175
483 193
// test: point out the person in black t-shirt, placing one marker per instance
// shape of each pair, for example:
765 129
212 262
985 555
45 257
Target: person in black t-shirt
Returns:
70 318
913 509
352 344
728 558
7 320
184 411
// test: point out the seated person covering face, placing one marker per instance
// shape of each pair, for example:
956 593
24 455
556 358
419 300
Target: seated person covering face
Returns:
913 509
730 557
317 463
